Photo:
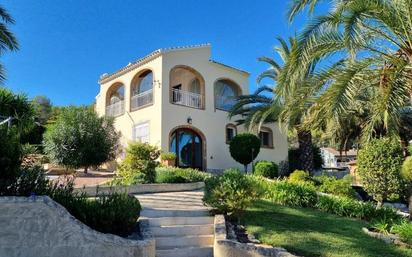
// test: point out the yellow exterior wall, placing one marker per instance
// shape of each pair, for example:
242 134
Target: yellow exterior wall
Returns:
165 116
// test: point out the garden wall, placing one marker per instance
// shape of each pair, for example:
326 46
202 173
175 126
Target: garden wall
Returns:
224 247
40 227
143 188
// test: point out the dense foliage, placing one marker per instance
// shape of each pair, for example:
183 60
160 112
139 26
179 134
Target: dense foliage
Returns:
295 161
80 138
230 193
168 156
266 169
139 166
179 175
244 148
332 185
379 166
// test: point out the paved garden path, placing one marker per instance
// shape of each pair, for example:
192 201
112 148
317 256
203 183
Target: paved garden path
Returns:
180 223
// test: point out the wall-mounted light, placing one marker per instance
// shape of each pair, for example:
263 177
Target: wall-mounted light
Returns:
157 82
189 120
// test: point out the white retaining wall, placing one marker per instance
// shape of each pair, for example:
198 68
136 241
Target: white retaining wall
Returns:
40 227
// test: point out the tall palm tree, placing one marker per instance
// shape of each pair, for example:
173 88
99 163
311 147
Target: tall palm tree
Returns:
286 102
372 41
8 41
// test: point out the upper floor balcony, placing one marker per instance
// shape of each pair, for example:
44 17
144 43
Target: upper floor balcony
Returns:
141 100
186 98
115 109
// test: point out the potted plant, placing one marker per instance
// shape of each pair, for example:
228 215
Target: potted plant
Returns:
168 158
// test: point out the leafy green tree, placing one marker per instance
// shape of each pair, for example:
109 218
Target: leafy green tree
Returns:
43 108
244 148
379 166
16 119
80 138
406 174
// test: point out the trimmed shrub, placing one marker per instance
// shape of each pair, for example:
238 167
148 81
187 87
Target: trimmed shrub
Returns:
230 193
292 194
379 166
404 230
179 175
300 176
244 148
331 185
168 156
139 165
266 169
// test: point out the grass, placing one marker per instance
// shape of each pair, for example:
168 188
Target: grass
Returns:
311 233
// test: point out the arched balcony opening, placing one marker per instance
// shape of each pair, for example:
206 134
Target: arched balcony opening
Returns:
141 90
187 87
226 93
115 100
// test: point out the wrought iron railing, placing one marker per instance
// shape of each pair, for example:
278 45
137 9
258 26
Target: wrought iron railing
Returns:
186 98
115 109
141 100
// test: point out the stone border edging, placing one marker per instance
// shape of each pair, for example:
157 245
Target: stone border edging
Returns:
224 247
145 246
389 239
141 188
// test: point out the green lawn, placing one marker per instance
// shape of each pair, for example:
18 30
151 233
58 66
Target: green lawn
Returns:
310 233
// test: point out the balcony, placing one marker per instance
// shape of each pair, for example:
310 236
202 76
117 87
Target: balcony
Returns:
186 98
141 100
115 109
225 103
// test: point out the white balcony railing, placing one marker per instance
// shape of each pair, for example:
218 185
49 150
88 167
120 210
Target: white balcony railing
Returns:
225 102
141 100
115 109
187 98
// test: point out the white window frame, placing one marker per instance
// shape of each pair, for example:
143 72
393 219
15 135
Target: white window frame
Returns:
141 138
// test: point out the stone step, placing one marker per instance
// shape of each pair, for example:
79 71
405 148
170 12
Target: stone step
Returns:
172 221
186 252
180 230
172 242
156 213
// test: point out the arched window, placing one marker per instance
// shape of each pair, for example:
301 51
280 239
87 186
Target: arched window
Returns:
143 83
231 132
115 100
266 137
226 93
142 90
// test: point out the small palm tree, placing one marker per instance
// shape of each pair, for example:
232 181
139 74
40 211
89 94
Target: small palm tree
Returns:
286 102
8 42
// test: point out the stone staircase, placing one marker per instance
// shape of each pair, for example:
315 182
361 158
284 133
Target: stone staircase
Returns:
180 224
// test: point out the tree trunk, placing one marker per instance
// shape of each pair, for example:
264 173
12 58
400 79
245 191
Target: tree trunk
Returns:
410 206
85 169
245 168
306 150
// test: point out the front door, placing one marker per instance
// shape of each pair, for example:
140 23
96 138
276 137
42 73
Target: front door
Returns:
187 145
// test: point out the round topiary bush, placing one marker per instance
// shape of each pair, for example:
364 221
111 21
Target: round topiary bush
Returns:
244 148
266 169
379 166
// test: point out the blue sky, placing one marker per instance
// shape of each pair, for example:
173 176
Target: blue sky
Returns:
66 45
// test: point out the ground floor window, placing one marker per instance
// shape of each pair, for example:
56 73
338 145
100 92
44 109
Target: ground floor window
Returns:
266 137
141 132
230 132
187 145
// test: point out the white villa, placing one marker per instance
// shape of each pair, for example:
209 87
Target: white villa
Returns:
334 159
178 99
